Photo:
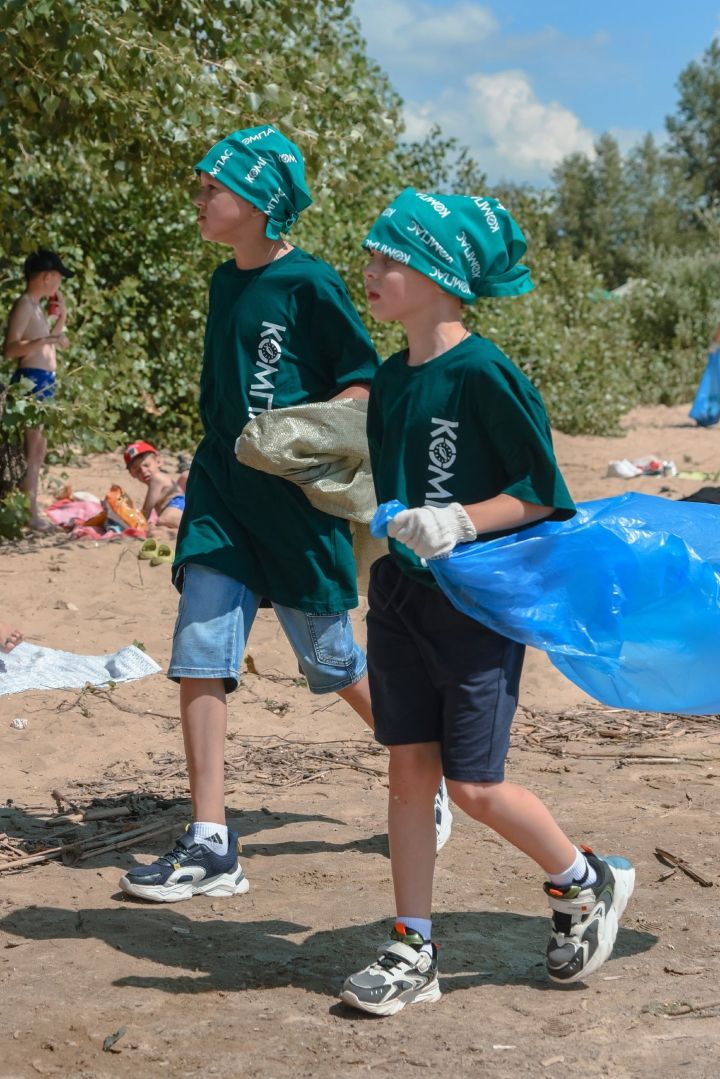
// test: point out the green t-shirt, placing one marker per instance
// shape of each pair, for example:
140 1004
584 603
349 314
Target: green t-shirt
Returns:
464 427
279 335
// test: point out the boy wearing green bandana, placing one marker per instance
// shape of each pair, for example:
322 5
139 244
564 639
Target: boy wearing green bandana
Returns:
281 331
461 438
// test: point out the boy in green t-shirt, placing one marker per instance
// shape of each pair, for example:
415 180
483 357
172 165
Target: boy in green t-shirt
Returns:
460 436
281 331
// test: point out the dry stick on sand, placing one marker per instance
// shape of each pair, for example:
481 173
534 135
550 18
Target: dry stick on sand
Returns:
89 848
675 862
104 694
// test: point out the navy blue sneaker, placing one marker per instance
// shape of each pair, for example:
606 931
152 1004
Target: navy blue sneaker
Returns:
191 868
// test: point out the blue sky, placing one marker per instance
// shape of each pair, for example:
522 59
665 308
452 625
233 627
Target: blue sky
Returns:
523 83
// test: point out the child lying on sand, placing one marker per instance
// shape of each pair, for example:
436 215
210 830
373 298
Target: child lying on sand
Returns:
165 495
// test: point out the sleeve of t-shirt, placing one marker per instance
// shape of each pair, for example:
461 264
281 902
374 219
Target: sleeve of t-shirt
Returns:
349 353
374 427
514 416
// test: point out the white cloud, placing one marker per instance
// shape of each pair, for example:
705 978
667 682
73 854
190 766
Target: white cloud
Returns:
413 34
511 133
457 66
524 131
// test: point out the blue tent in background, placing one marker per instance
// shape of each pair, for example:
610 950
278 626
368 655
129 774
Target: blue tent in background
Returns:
624 597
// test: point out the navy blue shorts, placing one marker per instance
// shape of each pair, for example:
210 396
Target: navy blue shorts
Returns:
437 675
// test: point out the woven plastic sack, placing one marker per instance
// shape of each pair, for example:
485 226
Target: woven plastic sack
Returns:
624 597
706 406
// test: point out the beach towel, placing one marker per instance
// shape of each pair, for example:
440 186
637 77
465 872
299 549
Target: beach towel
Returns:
31 666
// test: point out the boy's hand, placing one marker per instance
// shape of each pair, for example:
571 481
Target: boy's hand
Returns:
60 339
432 531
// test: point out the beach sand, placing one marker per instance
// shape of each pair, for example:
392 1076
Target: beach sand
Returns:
247 986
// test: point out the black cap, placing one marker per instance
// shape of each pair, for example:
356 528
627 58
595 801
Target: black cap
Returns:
43 261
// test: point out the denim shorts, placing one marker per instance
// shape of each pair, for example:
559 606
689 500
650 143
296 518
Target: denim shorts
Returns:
437 675
214 619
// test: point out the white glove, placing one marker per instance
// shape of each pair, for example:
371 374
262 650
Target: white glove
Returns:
432 531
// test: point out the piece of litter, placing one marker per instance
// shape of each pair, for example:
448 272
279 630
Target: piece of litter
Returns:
504 1046
180 929
624 469
109 1042
650 465
18 724
612 977
552 1060
65 605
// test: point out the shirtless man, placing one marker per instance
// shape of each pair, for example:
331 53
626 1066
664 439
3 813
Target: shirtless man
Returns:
165 495
30 340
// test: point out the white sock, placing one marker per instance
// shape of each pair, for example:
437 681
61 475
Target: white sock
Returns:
214 836
423 926
579 871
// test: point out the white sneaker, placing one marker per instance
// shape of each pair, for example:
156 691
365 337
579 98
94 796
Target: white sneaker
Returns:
443 817
402 974
585 920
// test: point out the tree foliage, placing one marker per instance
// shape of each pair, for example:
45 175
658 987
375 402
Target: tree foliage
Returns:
105 105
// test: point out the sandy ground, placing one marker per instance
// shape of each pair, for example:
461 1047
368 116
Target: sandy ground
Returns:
248 986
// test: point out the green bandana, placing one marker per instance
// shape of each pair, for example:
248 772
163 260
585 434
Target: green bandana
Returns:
469 246
264 167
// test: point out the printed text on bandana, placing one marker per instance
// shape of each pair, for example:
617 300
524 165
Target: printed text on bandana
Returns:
221 161
393 253
442 452
487 211
269 353
427 238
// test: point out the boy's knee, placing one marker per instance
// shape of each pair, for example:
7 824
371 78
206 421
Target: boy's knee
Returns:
414 766
479 798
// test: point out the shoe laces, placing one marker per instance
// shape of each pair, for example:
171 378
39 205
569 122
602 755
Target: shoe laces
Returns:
180 853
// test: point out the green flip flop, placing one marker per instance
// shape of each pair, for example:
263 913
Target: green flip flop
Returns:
164 553
148 549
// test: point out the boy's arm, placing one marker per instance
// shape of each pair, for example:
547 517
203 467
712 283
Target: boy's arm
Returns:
504 512
358 391
16 345
153 496
61 320
431 531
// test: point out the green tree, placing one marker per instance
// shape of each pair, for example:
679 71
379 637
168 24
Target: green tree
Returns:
695 128
104 107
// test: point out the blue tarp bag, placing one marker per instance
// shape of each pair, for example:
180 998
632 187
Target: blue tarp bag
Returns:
706 406
624 597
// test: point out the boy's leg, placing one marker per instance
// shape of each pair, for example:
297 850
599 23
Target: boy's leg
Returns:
408 715
329 659
482 675
214 620
413 774
203 711
587 893
358 697
35 450
518 816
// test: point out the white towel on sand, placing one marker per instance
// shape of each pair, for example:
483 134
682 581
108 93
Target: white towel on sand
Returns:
30 666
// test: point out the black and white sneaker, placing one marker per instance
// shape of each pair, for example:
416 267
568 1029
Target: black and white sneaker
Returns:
190 868
402 974
585 918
